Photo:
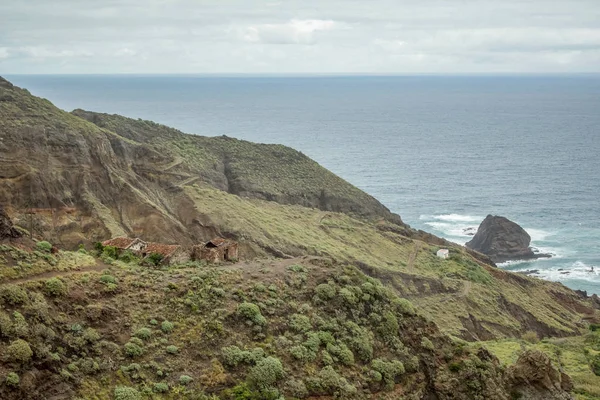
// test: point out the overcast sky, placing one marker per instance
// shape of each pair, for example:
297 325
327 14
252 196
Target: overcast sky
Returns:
306 36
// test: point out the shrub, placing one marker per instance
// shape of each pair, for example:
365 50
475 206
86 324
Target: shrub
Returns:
266 373
154 258
133 350
127 393
303 354
427 344
143 333
55 287
595 365
13 294
455 366
110 252
160 387
19 351
91 335
251 312
128 257
300 323
389 371
167 326
348 297
531 337
12 379
108 279
404 306
185 380
172 349
232 355
297 389
44 246
325 291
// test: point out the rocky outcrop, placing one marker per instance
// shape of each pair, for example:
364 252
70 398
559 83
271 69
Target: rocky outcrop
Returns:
534 377
7 230
503 240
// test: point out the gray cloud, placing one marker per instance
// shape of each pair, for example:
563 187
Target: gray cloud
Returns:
309 36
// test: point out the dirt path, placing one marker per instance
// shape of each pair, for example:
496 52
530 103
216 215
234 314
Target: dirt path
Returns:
466 289
188 181
53 274
413 255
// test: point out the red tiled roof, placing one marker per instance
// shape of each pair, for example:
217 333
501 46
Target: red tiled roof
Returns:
119 243
217 242
164 249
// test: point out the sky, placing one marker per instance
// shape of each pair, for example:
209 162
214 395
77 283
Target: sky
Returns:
299 37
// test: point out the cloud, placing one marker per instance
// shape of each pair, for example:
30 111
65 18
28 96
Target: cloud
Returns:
293 32
3 53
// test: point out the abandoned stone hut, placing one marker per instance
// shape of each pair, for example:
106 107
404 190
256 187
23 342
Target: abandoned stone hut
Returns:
171 253
216 250
134 245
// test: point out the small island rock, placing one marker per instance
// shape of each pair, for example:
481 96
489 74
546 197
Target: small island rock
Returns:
503 240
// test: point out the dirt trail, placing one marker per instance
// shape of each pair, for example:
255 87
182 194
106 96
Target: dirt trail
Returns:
413 255
188 181
53 274
466 289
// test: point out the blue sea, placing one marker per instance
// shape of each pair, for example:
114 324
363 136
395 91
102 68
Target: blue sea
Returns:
443 152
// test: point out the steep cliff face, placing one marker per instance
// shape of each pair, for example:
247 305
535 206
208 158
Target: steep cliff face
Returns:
88 176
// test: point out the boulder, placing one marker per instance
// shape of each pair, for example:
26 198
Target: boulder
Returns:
7 230
503 240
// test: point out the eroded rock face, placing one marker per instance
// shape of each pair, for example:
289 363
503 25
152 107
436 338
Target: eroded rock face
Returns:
7 230
502 240
534 377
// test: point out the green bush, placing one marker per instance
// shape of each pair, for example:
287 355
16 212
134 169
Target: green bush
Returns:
12 379
427 344
172 349
55 287
154 258
108 279
128 257
143 333
297 389
126 393
185 380
404 306
160 387
300 323
19 351
389 370
266 373
251 312
44 246
133 350
325 291
91 335
13 294
110 252
167 326
595 365
531 337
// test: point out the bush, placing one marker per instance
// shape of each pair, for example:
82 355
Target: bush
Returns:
110 252
55 287
300 323
91 335
108 279
404 306
143 333
44 246
12 379
266 373
595 365
325 291
13 294
531 337
185 380
172 349
167 326
160 387
389 370
19 351
427 344
128 257
251 312
127 393
133 350
297 389
154 258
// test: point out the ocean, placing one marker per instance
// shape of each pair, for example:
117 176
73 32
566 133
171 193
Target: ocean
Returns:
441 151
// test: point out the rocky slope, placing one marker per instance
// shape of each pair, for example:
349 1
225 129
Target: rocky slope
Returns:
502 240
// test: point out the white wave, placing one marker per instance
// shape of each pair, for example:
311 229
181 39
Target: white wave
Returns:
452 218
538 235
577 270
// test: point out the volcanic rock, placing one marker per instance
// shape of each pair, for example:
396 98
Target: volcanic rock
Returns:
7 230
503 240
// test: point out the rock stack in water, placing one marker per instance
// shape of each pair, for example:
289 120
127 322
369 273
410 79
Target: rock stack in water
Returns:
503 240
7 230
